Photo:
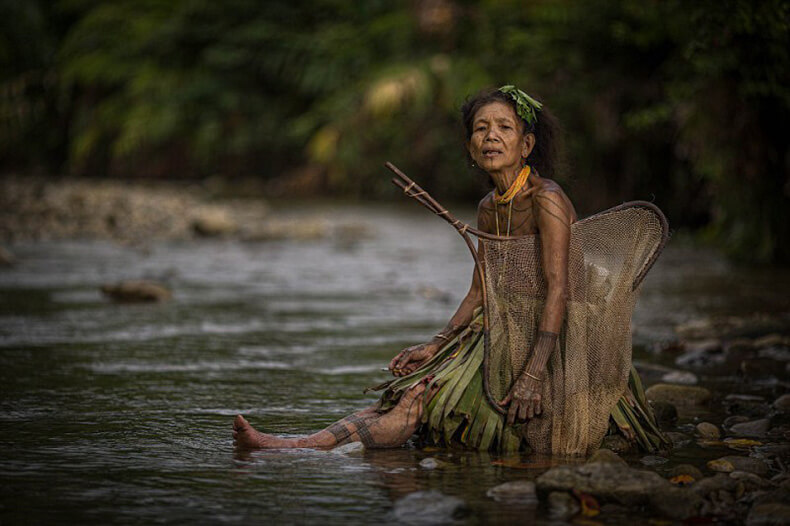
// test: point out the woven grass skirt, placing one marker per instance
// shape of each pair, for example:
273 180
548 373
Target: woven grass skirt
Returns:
457 412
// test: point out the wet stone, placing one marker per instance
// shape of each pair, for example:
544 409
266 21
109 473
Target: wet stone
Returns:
734 419
606 480
676 503
708 430
350 448
516 492
769 514
714 484
732 463
562 505
752 481
429 507
753 428
782 404
678 395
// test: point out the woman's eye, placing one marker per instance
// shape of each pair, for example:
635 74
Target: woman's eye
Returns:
505 126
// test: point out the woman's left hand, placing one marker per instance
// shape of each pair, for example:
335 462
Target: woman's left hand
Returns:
524 399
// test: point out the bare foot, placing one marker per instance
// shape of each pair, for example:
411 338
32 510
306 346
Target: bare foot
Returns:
246 437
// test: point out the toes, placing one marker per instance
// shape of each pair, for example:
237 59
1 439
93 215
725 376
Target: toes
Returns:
239 423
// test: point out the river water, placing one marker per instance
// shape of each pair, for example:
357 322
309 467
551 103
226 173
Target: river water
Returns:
122 413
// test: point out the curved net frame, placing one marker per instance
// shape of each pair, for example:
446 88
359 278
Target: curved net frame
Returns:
610 255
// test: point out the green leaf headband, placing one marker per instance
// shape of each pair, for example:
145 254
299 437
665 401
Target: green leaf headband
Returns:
526 106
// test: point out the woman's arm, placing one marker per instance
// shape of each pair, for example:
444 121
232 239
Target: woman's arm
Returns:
554 216
410 359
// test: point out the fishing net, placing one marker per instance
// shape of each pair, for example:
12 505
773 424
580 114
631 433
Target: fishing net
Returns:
610 253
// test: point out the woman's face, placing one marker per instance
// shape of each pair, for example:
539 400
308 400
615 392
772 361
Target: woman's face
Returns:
498 142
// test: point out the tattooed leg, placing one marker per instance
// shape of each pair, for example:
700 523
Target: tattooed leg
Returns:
374 430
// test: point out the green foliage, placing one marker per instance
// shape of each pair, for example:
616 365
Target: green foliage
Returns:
686 102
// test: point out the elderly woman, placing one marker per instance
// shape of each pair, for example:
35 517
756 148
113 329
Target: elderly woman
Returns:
439 392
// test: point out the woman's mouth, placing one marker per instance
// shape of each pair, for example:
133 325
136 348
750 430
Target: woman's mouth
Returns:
491 153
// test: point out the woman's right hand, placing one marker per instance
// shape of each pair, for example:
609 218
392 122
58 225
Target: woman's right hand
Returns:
409 360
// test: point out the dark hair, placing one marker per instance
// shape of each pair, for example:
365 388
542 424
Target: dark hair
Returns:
545 156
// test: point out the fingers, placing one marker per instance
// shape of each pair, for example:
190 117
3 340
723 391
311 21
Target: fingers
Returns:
506 400
511 414
523 410
538 406
530 410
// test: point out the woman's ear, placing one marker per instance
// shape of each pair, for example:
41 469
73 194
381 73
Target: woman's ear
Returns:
529 144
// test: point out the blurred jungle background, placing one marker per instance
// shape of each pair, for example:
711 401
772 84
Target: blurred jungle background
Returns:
683 103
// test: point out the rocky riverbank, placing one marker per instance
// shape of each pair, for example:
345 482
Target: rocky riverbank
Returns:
726 407
137 213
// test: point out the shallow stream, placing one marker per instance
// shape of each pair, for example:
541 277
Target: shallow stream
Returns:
122 413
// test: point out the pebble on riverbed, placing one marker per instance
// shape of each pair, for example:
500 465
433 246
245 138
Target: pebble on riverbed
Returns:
140 291
707 430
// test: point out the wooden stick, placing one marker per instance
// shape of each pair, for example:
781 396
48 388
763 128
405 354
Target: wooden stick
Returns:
413 190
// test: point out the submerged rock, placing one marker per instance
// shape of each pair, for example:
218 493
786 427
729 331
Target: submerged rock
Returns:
562 505
429 463
607 480
139 291
516 492
769 514
678 395
653 460
429 507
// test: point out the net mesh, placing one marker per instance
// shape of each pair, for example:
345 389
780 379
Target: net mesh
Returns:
588 371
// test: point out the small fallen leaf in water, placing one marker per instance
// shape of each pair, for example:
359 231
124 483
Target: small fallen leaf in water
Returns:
682 480
590 506
721 465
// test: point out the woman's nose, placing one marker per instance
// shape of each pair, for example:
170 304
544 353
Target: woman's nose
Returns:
491 135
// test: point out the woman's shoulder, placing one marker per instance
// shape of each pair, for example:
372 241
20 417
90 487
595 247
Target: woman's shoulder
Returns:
550 194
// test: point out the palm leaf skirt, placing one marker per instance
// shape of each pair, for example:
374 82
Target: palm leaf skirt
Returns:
458 414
